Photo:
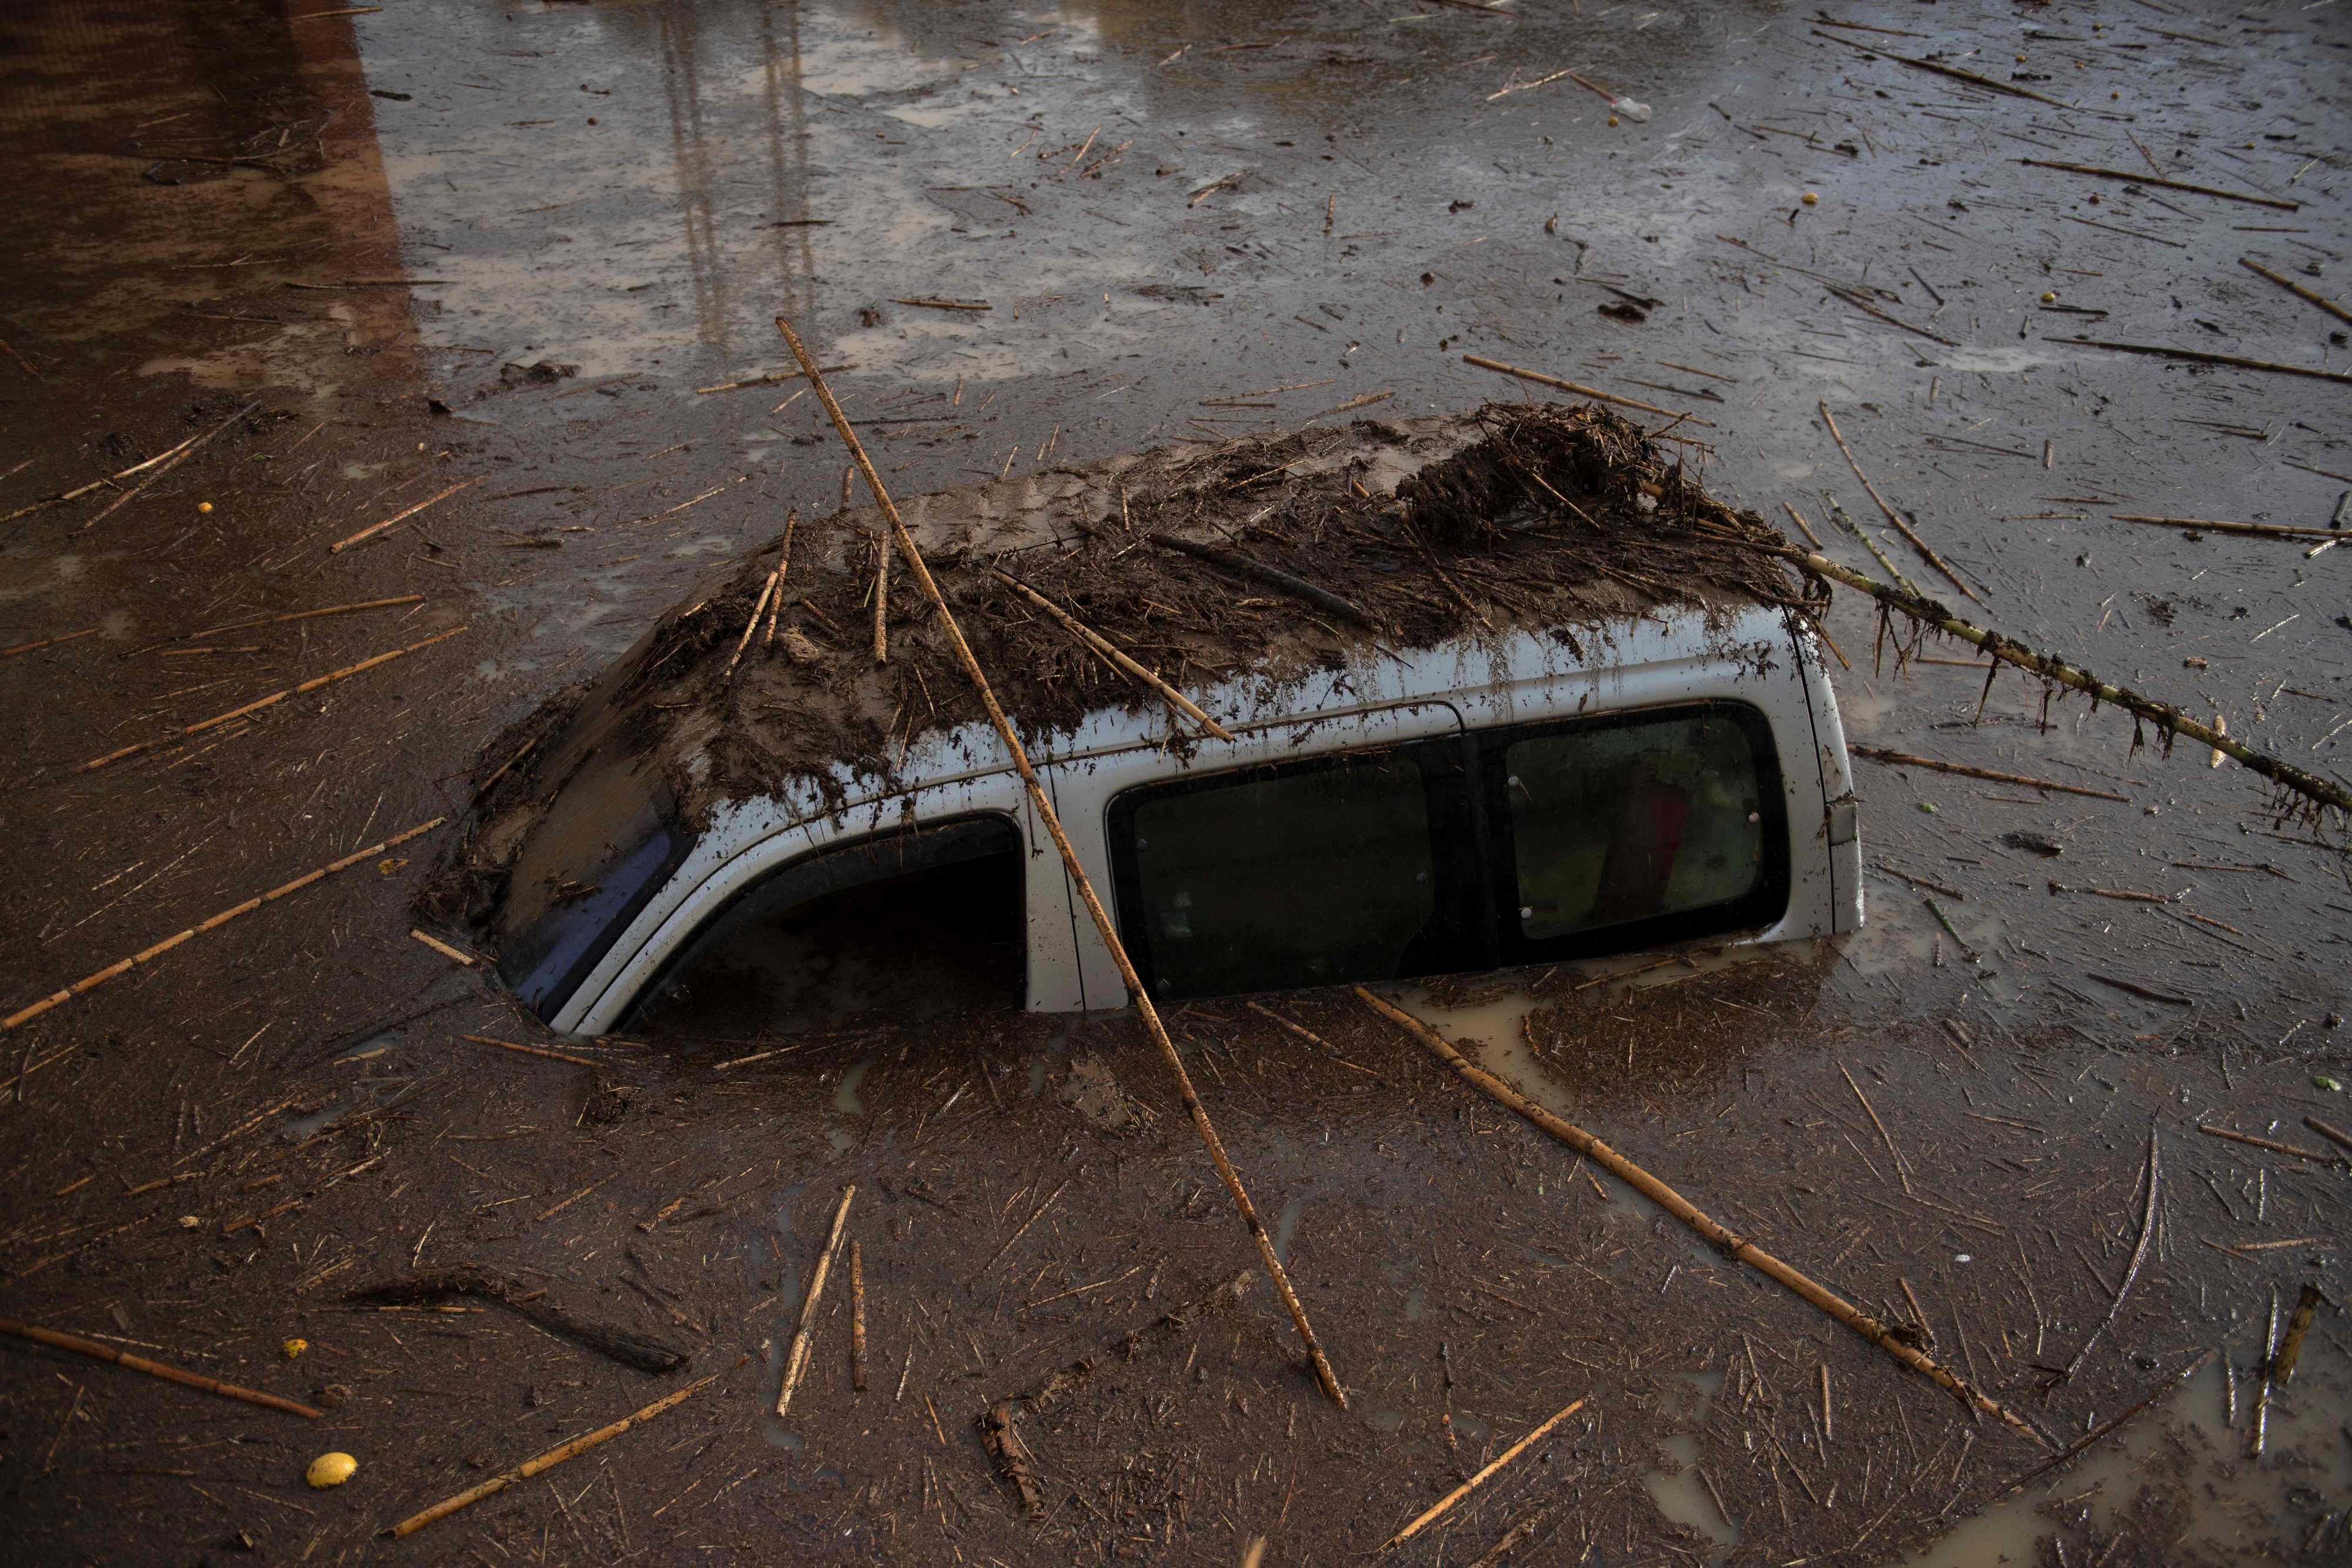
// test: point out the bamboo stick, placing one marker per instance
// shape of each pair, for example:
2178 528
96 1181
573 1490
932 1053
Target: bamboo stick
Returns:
1938 562
1727 1242
164 464
881 587
404 515
2292 286
1541 380
1102 645
124 967
306 615
548 1461
1905 759
797 1361
2162 714
91 1348
531 1050
2199 357
313 684
857 1317
1466 1488
2317 1156
2212 526
1146 1011
2126 175
758 606
48 642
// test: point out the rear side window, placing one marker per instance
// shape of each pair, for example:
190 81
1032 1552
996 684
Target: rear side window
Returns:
1507 846
1628 831
1308 874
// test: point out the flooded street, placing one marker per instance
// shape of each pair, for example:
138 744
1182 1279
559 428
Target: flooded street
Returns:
370 374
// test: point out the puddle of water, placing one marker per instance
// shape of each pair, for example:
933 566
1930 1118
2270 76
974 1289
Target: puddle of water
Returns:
1381 1419
1683 1496
1416 1304
1288 1226
844 1095
2182 1451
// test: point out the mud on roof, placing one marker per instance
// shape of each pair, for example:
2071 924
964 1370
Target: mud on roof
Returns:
1271 557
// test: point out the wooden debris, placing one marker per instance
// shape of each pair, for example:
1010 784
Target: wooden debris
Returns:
48 642
1297 586
999 1431
1938 562
2130 178
1905 759
1952 71
1729 1243
531 1050
2152 1179
2264 1378
2076 1450
98 1351
626 1345
2137 989
857 1317
1541 380
170 457
1444 1504
1147 1014
2342 1140
768 592
797 1361
1103 648
2323 791
313 684
2290 1349
165 464
452 954
2292 286
402 516
769 378
2208 524
2318 1156
546 1460
2199 357
145 955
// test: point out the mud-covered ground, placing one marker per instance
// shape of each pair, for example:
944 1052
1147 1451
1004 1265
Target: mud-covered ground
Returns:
502 247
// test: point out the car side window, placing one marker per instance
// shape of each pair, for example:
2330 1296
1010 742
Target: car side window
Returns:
1304 874
1628 831
888 928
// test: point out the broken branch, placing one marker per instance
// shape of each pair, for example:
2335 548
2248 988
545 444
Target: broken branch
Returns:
1102 646
797 1362
1466 1488
1938 562
96 1351
1905 759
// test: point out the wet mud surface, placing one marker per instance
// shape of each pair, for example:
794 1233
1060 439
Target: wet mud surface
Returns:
375 256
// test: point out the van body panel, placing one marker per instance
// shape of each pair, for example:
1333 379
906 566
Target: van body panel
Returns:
1661 658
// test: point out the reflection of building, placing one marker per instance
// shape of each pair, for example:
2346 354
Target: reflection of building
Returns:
156 146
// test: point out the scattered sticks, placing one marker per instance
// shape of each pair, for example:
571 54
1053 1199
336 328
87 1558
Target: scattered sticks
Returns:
768 592
2318 1156
1297 586
1541 380
1102 647
1938 562
2163 715
96 1351
1730 1244
1905 759
2078 1450
165 464
2131 1270
546 1460
145 955
797 1362
531 1050
1444 1503
1147 1014
313 684
2198 357
2292 286
2130 178
768 379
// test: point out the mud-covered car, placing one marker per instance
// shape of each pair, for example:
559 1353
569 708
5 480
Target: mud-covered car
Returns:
1501 689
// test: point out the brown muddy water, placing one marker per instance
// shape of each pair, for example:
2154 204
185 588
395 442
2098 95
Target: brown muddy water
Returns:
504 244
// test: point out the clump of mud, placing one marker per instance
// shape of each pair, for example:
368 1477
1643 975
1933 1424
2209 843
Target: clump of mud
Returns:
1552 520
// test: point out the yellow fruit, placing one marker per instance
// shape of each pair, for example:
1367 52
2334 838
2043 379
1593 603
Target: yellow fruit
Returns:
2050 298
330 1469
1811 200
1613 119
294 1347
203 505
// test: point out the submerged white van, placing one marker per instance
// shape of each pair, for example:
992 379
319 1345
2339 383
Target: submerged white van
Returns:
1508 794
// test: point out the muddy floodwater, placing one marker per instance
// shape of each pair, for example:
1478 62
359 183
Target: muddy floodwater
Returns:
450 326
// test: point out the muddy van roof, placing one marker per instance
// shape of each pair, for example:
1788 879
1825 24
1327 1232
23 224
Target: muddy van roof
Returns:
1266 560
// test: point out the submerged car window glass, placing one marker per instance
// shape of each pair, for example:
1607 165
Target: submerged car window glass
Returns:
894 927
1298 878
1631 821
